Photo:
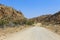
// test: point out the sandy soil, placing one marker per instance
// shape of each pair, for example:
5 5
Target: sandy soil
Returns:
32 33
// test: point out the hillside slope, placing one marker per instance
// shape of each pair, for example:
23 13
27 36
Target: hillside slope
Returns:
10 13
50 19
8 16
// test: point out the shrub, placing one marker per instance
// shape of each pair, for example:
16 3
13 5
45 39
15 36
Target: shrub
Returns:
29 22
3 23
22 22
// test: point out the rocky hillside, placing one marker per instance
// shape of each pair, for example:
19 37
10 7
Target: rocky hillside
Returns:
50 19
40 19
9 15
54 19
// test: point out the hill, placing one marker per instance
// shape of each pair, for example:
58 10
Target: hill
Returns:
10 13
10 16
54 19
40 18
49 21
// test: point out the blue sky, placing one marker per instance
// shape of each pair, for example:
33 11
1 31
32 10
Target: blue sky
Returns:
34 8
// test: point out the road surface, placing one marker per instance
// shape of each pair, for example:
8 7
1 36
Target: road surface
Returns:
34 33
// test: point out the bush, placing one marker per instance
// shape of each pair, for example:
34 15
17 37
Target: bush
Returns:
23 22
3 23
29 22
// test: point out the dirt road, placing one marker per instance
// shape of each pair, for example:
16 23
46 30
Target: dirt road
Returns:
34 33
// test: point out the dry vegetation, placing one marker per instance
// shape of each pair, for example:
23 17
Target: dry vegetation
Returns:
54 28
6 31
9 30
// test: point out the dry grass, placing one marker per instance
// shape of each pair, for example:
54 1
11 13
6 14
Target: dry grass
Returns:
9 30
54 28
4 32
